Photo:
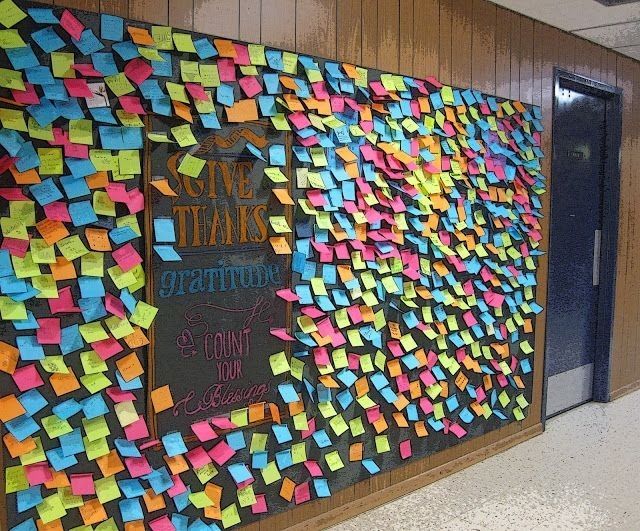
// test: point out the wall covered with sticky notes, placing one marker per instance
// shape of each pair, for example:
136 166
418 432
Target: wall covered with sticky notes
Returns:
236 279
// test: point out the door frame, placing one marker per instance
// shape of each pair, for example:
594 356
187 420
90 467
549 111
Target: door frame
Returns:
609 236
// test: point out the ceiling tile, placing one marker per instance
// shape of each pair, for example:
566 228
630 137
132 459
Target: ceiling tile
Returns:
614 36
631 51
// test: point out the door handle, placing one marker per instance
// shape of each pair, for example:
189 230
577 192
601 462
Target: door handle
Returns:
597 236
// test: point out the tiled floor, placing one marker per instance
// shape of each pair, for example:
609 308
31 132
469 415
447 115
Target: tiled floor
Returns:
582 473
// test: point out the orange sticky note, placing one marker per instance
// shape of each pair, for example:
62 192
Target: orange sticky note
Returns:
225 47
182 110
283 196
64 383
177 464
153 501
161 398
130 366
98 239
280 245
25 177
63 269
421 428
58 479
54 525
136 339
97 180
162 185
110 464
242 111
355 451
214 493
8 357
17 448
140 36
287 488
137 525
92 512
52 231
10 408
256 412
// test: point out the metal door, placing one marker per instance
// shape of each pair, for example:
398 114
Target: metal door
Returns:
579 156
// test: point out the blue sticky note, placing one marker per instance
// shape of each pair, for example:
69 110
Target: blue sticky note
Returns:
82 213
321 486
55 91
371 466
284 459
128 300
59 461
167 253
236 440
70 109
210 120
103 115
281 432
12 142
80 167
32 401
27 157
21 427
131 488
90 287
73 187
44 112
22 58
12 285
122 234
29 323
71 443
164 230
127 448
88 43
163 68
126 50
277 155
104 63
224 95
26 499
48 39
174 444
111 27
239 472
321 438
94 406
66 409
43 15
204 48
288 392
29 348
151 90
70 339
272 83
274 59
160 480
135 383
130 509
267 105
259 460
27 525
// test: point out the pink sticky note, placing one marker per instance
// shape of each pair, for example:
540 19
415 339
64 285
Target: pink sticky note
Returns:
457 430
261 504
57 211
76 151
82 484
117 192
5 163
15 246
198 457
126 257
27 377
196 91
302 493
27 96
405 449
71 24
224 423
226 69
135 201
107 348
221 453
493 299
137 466
250 86
38 473
49 332
138 70
137 430
203 431
320 90
314 469
178 486
64 303
242 54
131 104
114 305
77 88
162 524
87 70
311 428
281 333
287 295
118 395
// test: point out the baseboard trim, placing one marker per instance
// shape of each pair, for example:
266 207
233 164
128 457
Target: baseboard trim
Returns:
625 390
375 499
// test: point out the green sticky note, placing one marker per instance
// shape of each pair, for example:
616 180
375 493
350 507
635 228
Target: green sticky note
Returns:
41 251
184 135
55 426
51 161
23 211
10 39
144 314
334 462
240 417
129 161
119 84
95 428
51 508
256 55
11 79
258 442
162 37
103 205
13 119
81 131
279 363
95 449
69 500
200 500
95 382
183 42
10 13
270 473
15 479
11 310
61 63
177 92
230 516
191 166
36 455
210 76
107 489
119 328
382 444
206 472
246 496
92 363
190 71
275 174
54 364
46 285
72 247
92 332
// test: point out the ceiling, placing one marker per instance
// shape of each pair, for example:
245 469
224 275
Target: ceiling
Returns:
616 27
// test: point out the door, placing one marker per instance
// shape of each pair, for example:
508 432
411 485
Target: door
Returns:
579 153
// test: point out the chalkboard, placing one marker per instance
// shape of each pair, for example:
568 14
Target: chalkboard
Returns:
217 306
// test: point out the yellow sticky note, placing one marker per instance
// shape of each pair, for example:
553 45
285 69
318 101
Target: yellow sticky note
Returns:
209 75
10 13
61 63
144 314
55 426
279 224
191 166
15 479
72 247
183 42
51 508
51 161
129 161
279 363
107 489
11 79
230 516
92 332
81 131
184 135
10 38
13 119
119 84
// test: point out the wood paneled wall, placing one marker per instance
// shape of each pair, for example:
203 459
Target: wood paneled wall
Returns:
466 43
